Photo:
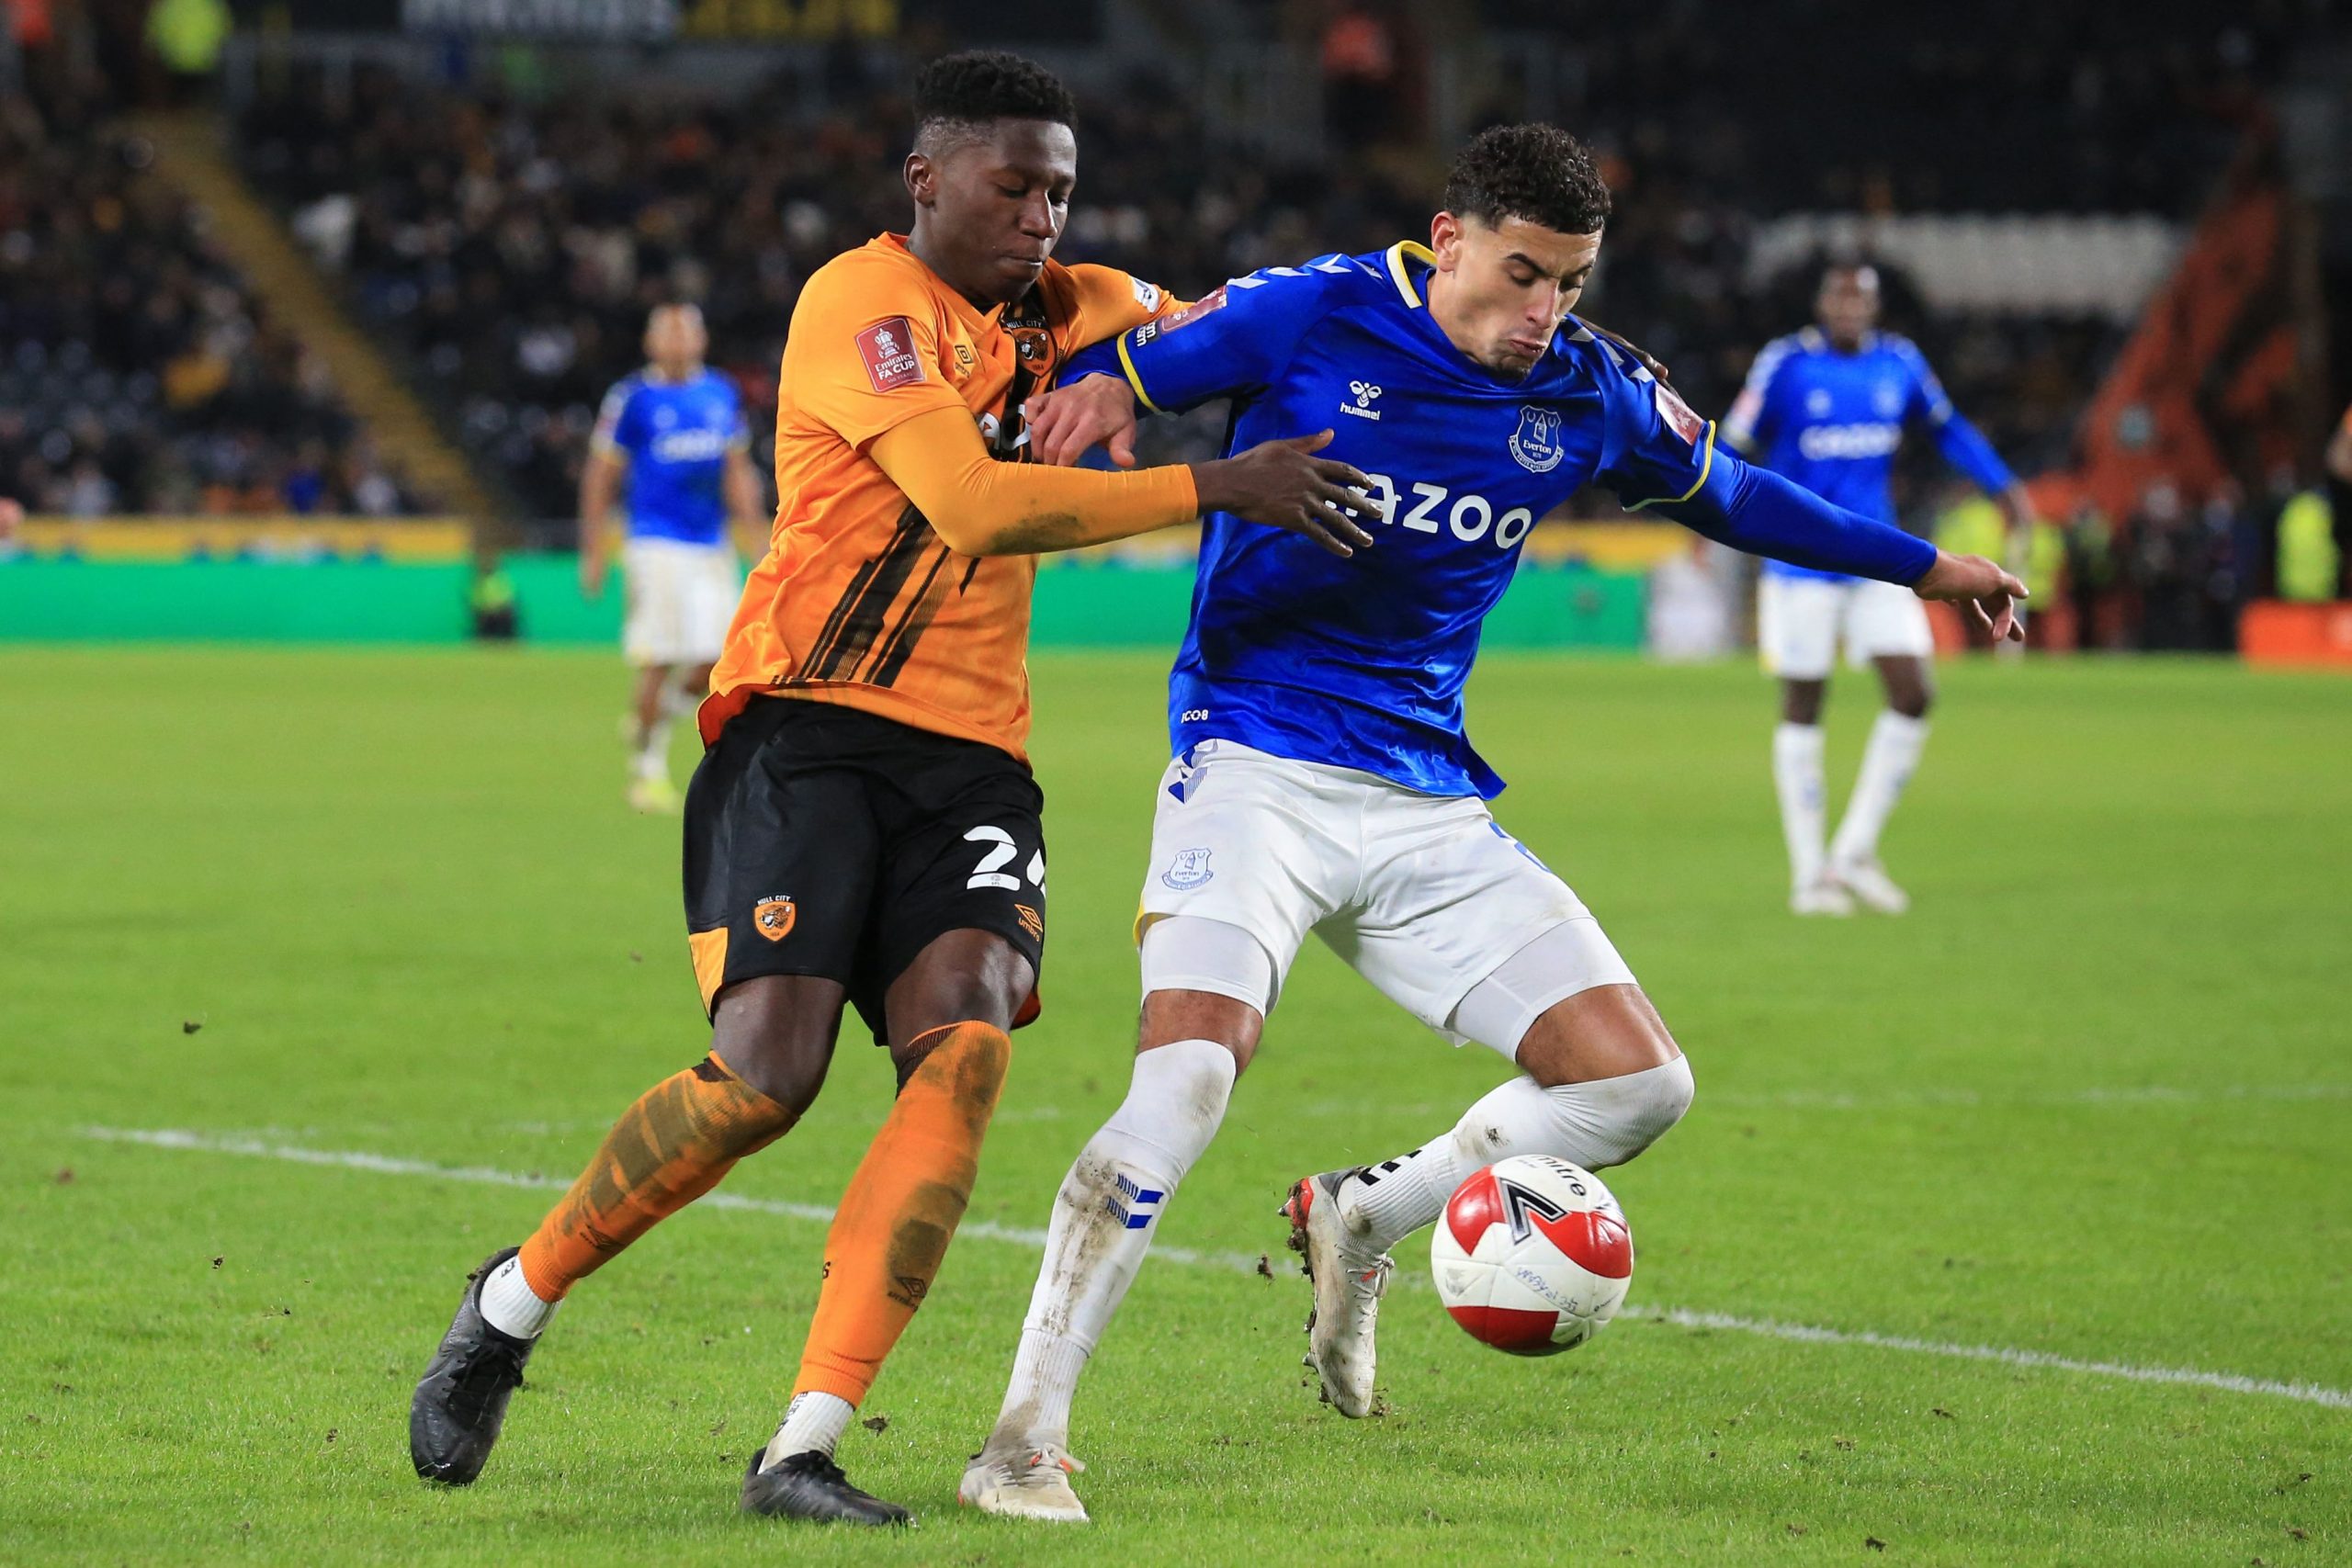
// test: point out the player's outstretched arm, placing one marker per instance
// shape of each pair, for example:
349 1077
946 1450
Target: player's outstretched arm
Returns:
1281 484
983 507
1757 511
600 479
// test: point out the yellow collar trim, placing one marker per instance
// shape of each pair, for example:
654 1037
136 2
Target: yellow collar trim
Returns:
1397 255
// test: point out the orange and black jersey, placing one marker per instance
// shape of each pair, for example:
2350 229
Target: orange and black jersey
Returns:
859 600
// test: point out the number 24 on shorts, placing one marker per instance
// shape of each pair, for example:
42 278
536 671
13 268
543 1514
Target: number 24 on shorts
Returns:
990 872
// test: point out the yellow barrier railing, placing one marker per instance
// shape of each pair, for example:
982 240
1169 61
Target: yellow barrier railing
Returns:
286 539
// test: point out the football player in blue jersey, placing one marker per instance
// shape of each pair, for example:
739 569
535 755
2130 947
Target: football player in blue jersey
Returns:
675 431
1322 781
1827 407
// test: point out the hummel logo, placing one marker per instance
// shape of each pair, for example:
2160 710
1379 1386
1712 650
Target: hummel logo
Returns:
1362 408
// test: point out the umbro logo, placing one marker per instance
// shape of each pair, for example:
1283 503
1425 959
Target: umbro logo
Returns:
1366 394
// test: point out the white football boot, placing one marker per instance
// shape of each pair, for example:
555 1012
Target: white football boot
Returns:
1823 896
1023 1482
1349 1278
1868 881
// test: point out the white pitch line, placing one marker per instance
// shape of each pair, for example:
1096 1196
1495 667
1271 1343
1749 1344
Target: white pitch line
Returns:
1927 1098
2232 1382
390 1165
1035 1240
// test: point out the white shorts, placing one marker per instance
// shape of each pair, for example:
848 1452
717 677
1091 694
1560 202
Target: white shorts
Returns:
1424 896
1799 621
680 598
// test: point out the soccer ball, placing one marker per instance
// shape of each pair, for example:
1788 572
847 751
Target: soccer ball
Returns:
1532 1256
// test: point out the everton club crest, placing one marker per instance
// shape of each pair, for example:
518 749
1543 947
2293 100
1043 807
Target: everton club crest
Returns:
1536 442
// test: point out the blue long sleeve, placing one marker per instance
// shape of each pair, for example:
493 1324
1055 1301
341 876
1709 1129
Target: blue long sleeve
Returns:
1095 359
1757 511
1965 448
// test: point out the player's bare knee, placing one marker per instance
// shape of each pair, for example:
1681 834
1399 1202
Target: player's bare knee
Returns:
1205 979
776 1032
1170 1016
1615 1079
1802 701
1910 690
1912 702
1606 1032
963 976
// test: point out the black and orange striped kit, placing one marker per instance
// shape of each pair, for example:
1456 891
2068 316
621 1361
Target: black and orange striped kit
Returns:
858 601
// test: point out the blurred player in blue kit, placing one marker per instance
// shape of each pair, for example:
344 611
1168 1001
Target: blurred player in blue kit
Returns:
674 431
1322 779
1827 408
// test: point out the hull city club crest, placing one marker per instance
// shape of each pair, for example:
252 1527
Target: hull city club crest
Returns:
773 915
1536 442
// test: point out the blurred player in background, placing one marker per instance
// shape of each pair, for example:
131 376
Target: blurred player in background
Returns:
864 828
2339 449
674 432
1322 778
1826 407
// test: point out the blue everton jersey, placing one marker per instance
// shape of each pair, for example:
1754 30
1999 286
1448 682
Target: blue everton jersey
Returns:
1832 422
1359 663
676 436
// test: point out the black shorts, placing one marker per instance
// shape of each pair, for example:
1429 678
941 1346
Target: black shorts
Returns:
823 840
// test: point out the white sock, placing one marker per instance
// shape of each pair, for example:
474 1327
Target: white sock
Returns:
509 1305
1603 1122
653 750
813 1423
1109 1205
1796 775
1896 741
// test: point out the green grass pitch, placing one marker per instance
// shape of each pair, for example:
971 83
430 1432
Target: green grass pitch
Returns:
2092 1101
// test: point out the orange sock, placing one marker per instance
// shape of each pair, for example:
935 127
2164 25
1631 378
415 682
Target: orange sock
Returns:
901 1208
667 1150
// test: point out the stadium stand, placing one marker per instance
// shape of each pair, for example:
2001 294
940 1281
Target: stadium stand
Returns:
500 223
141 372
512 248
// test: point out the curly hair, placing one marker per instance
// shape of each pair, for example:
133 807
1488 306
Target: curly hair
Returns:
1538 173
958 93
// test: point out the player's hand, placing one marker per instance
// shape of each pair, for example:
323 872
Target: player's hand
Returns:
593 570
1283 485
1637 350
1990 591
1094 410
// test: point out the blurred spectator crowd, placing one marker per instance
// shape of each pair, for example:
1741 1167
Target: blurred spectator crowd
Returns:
506 238
511 238
138 371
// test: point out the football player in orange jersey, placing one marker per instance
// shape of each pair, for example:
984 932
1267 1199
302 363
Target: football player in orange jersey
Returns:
864 826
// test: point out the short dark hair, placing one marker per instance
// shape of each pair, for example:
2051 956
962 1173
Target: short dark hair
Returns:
1538 173
958 93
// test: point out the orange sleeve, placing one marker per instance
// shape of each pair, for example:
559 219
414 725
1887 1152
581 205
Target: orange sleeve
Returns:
862 356
1110 302
982 506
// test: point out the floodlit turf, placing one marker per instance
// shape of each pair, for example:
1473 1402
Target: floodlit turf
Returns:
2092 1099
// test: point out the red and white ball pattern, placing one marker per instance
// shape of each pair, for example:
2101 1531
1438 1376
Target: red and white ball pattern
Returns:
1532 1256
